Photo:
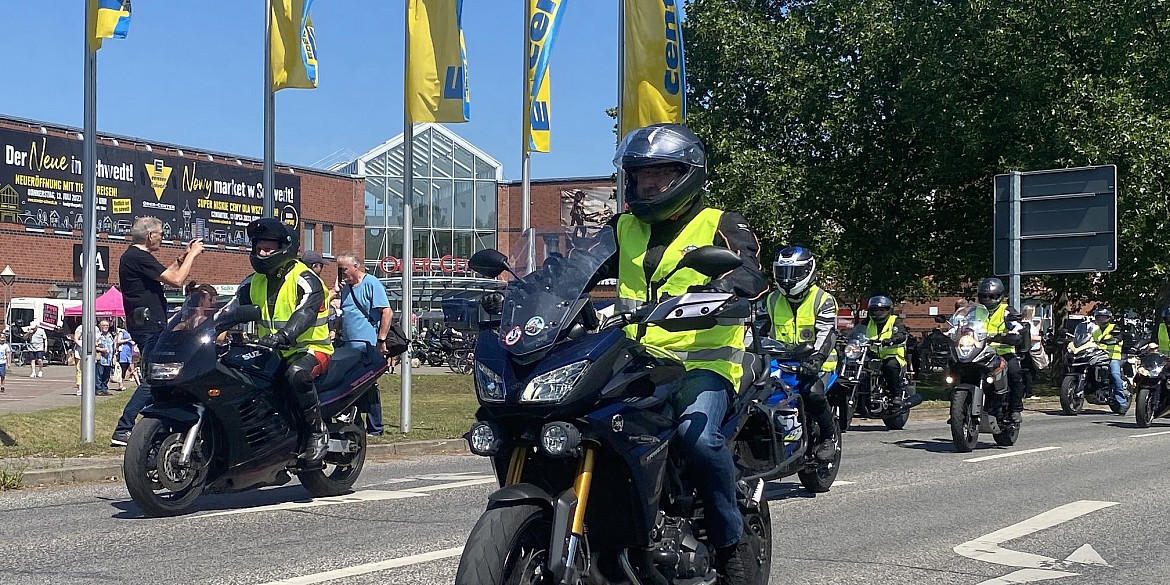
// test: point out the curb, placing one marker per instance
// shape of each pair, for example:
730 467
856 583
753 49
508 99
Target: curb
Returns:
90 471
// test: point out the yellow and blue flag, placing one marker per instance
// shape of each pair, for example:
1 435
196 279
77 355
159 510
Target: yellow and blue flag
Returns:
436 74
655 87
111 20
544 20
294 47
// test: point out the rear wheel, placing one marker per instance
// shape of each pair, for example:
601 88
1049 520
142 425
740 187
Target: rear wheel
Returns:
508 545
1008 436
964 429
1146 406
154 478
1070 402
340 470
844 413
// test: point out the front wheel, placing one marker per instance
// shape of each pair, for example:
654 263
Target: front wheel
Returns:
1070 401
1008 436
758 524
820 477
1146 406
340 470
154 478
508 545
964 428
844 413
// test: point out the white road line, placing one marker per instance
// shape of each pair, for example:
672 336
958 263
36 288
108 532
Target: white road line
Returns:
1009 454
370 567
1150 434
356 497
452 485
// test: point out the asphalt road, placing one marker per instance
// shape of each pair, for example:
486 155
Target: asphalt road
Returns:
913 511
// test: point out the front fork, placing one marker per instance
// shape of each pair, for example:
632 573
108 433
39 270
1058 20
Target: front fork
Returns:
568 512
192 435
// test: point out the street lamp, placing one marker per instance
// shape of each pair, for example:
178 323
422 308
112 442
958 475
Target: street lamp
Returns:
54 291
8 277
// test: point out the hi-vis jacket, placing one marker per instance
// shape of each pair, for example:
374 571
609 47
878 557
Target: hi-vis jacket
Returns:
295 305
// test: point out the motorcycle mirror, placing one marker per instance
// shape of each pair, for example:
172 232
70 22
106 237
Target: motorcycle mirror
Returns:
492 303
710 261
488 262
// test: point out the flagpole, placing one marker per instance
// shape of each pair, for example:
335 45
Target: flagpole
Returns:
89 226
407 225
269 115
525 141
621 93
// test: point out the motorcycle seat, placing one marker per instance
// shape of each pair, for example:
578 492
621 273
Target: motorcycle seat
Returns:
347 365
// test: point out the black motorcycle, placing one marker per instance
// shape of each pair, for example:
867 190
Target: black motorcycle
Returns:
978 386
861 390
220 422
1086 373
576 417
1152 399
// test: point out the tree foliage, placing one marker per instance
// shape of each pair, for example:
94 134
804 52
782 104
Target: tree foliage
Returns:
870 130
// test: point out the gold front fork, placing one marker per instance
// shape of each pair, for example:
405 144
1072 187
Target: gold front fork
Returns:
581 486
515 466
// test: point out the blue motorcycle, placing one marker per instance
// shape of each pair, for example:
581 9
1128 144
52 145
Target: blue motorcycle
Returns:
575 415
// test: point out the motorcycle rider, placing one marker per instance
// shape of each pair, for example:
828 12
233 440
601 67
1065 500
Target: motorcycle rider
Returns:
1003 333
665 167
1163 333
1109 339
293 321
800 312
890 331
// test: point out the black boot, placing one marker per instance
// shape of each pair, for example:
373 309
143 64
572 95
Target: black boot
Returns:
826 449
317 441
737 563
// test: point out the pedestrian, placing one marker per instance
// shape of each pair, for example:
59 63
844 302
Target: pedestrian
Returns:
125 356
141 277
36 344
365 321
5 359
103 358
914 351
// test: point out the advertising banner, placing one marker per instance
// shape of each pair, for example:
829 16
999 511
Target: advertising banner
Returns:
584 211
41 187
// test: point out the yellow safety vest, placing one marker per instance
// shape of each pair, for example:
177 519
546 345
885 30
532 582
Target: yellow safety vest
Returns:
720 348
1163 339
272 320
1114 349
887 332
800 327
996 325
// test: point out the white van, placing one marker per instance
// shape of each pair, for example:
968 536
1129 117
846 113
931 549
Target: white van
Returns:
24 311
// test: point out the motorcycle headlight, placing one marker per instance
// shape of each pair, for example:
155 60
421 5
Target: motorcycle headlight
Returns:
852 352
559 438
165 370
555 385
488 384
483 439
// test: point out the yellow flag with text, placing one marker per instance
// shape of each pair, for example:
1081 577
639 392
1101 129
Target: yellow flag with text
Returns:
655 87
544 20
294 47
436 74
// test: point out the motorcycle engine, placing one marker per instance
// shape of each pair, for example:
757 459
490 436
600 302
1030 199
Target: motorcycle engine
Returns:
675 550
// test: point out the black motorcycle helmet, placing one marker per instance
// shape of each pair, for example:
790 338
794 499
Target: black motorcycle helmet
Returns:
272 229
991 292
880 307
656 145
1102 315
1166 316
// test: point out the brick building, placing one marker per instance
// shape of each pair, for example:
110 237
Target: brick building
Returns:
196 193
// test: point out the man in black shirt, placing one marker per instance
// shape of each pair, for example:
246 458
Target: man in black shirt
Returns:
141 277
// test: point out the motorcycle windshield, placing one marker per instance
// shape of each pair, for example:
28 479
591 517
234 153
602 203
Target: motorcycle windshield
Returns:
538 303
191 329
969 326
1084 333
1152 361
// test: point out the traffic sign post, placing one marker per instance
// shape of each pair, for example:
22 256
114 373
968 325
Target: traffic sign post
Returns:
1055 221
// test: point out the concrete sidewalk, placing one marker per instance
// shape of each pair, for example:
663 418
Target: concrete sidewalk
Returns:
56 388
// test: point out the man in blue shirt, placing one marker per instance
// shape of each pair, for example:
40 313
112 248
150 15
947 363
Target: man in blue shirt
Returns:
365 319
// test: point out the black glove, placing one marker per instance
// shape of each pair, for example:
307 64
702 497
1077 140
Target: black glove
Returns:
811 366
276 340
704 288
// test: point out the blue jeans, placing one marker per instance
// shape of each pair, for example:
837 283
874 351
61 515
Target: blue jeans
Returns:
141 397
703 398
1118 383
103 377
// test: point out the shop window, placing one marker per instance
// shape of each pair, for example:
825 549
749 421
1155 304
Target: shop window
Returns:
307 236
327 240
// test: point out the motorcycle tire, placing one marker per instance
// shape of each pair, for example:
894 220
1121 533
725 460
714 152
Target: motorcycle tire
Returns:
508 544
1070 403
964 430
758 523
1008 437
896 422
153 440
1146 406
819 477
844 413
341 470
1115 407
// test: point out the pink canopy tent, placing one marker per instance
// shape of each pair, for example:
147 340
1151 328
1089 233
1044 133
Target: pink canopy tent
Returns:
107 305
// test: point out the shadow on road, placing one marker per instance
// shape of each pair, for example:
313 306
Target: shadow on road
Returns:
1059 412
868 428
223 502
936 445
785 491
1123 424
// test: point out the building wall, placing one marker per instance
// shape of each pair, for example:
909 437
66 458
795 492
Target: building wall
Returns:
43 259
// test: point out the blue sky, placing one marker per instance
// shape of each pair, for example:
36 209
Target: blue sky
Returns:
191 73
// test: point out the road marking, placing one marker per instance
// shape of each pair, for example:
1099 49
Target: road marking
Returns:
1150 434
1038 568
1009 454
452 485
370 567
